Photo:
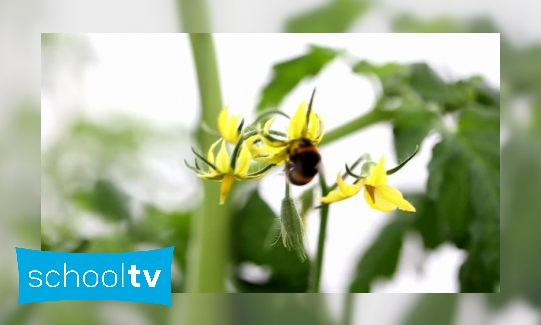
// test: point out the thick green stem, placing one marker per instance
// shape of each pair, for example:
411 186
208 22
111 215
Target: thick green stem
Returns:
372 117
324 213
210 242
193 16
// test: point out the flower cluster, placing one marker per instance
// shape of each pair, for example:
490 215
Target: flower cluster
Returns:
254 142
257 146
378 194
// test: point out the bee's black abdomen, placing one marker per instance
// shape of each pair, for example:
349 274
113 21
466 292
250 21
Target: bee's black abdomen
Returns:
306 163
303 162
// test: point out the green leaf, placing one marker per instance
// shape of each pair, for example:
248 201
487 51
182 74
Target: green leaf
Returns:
432 309
454 201
381 258
410 127
286 75
253 226
392 76
165 228
480 272
281 308
105 199
427 83
21 314
426 220
407 23
334 17
521 211
464 182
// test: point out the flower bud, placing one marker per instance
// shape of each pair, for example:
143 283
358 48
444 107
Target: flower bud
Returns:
292 228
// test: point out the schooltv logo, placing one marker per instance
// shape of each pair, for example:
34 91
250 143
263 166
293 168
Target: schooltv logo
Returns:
143 276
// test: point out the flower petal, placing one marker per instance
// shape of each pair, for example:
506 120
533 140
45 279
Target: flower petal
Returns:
378 175
222 160
394 196
316 138
265 136
333 196
210 153
297 124
228 125
227 182
255 145
313 126
379 203
243 160
348 190
276 156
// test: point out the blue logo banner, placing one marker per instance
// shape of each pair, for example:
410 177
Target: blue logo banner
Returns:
143 276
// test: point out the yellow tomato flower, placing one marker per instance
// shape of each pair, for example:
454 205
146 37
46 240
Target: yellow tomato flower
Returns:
224 169
378 194
228 125
265 147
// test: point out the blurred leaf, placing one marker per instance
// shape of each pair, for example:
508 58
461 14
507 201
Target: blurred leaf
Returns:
286 75
278 308
21 314
426 220
391 75
453 203
521 208
416 86
426 82
480 272
81 247
252 226
522 69
105 199
410 127
432 309
119 133
498 301
337 16
464 181
166 228
407 23
117 242
70 312
381 258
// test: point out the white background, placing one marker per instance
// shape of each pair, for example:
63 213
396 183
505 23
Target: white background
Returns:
152 76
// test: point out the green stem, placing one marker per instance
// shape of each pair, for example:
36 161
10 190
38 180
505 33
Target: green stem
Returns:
210 242
347 317
193 16
324 213
372 117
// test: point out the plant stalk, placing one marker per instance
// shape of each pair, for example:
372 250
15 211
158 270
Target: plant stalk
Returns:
193 16
374 116
210 242
324 214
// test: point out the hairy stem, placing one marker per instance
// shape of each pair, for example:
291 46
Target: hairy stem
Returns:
324 213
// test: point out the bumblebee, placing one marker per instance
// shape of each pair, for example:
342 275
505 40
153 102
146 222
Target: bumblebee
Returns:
303 162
